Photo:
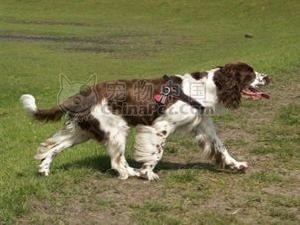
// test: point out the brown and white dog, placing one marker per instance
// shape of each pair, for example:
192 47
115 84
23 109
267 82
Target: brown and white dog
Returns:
105 111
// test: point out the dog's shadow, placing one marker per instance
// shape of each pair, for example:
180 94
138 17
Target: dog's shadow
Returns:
102 163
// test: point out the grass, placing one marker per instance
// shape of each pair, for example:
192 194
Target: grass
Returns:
131 39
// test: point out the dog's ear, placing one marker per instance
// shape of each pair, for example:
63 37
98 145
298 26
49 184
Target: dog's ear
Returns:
230 80
228 86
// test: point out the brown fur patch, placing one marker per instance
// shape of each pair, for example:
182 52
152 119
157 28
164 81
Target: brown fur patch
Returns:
119 158
136 101
199 75
230 80
216 156
52 114
92 125
159 148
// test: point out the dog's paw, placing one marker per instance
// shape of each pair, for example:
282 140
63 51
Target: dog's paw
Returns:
133 172
240 166
152 176
44 172
123 176
149 175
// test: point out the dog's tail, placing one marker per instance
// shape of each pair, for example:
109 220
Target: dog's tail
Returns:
54 113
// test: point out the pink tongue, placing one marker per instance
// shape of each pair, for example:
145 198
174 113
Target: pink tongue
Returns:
256 95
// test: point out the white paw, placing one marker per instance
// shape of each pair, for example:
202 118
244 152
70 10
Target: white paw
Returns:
44 171
152 176
243 166
240 166
133 172
149 175
123 176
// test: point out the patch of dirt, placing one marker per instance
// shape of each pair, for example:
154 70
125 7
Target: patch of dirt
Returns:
76 212
236 134
96 49
46 22
121 46
33 37
289 189
285 191
101 201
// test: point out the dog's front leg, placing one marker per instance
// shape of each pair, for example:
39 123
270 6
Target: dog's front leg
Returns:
213 147
149 147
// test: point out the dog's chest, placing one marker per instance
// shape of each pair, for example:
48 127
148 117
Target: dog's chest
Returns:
181 116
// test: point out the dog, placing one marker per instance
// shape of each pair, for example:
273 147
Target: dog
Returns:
157 108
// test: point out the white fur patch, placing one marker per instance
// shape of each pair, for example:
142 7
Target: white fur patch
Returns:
203 90
147 144
66 137
259 79
180 115
28 102
110 123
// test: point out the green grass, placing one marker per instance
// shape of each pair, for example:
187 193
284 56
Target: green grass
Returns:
134 39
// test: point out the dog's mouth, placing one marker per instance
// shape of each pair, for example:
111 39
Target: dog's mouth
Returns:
254 93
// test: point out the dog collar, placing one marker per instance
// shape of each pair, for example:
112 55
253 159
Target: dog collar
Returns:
173 90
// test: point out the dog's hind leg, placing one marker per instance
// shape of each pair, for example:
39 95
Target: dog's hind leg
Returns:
213 147
68 136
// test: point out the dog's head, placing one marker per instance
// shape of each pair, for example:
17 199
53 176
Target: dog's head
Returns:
236 79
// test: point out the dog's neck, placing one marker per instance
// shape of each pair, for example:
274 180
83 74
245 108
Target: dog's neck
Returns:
203 89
